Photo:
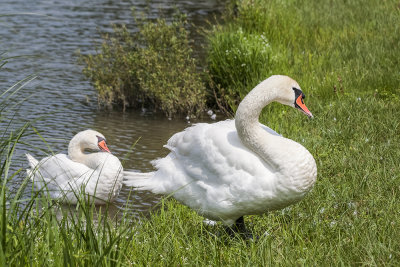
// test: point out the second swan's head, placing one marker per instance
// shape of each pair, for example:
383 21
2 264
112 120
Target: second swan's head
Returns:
289 93
90 140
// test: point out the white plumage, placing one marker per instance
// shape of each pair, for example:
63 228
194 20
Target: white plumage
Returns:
235 167
67 177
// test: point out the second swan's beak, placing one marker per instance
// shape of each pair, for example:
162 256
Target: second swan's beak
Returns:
103 146
299 104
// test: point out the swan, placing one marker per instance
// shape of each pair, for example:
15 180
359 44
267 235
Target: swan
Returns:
238 167
66 177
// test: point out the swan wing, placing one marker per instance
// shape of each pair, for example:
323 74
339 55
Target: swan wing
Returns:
203 152
213 153
56 172
64 178
105 180
210 170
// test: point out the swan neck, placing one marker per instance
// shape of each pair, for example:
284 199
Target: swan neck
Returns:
76 151
248 127
249 110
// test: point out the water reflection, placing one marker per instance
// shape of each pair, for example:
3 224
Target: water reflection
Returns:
63 96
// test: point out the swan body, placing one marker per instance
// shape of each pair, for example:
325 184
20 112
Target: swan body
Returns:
235 167
66 177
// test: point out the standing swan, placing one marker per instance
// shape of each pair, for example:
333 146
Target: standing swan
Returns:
66 177
236 167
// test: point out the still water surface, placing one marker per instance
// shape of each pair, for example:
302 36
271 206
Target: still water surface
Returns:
52 31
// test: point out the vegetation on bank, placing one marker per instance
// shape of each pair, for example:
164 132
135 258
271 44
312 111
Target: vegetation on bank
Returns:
152 68
329 47
346 59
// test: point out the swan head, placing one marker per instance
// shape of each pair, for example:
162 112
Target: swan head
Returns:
289 93
90 140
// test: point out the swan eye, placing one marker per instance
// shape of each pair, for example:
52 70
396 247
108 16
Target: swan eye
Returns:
297 93
99 139
302 97
299 101
101 143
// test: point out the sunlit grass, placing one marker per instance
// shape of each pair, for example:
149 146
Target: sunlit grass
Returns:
327 46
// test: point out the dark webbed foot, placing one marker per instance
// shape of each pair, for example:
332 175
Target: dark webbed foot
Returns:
239 228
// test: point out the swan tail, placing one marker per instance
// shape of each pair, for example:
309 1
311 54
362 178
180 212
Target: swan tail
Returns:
33 163
138 179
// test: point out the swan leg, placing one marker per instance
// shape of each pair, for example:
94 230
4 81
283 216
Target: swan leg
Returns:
239 228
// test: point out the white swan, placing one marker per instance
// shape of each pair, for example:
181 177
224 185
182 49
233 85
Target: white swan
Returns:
67 177
236 167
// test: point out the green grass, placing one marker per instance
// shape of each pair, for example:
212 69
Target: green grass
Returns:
352 215
322 44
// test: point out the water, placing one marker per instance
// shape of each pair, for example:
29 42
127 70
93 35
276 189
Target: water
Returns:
52 31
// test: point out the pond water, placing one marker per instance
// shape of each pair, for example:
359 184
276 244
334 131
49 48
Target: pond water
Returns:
48 33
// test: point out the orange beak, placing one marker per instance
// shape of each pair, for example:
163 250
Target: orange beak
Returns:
300 105
103 146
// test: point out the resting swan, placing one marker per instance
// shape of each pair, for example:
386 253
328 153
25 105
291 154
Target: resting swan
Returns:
235 167
66 177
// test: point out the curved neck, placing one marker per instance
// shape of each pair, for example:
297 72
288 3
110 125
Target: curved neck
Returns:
250 107
76 151
248 127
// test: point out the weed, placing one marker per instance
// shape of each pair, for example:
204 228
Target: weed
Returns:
151 68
